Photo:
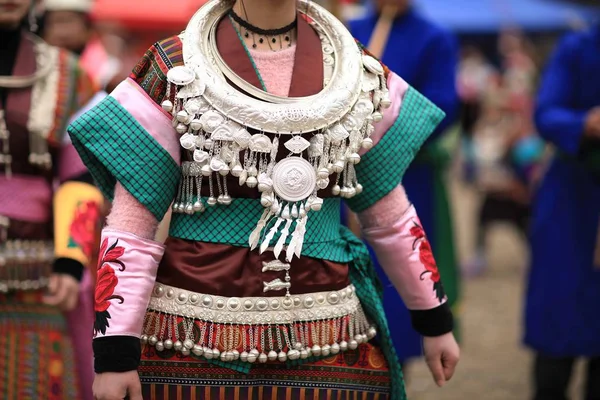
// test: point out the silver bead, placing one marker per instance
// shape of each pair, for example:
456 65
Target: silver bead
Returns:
338 166
181 128
144 339
189 209
354 158
236 170
167 105
208 143
244 356
185 352
235 354
180 208
216 353
211 201
198 206
224 171
178 345
316 350
272 355
322 183
262 358
196 125
335 190
182 116
359 188
351 192
251 182
206 171
208 354
282 356
264 187
254 352
197 350
323 173
168 344
293 354
345 192
385 102
252 358
252 171
343 345
266 200
160 346
367 143
325 350
188 344
335 348
152 340
353 345
225 356
303 354
298 346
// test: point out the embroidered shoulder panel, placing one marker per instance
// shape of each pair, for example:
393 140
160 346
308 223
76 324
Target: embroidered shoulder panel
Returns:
151 71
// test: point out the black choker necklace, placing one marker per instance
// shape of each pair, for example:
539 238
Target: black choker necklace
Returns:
273 34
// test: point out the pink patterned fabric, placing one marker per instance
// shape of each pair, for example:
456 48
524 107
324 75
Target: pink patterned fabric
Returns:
126 276
79 321
25 198
154 120
276 69
397 87
405 255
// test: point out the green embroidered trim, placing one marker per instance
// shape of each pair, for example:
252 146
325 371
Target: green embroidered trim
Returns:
383 167
116 148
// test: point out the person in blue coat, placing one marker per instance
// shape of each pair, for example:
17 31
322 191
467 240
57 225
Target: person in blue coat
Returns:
562 311
426 56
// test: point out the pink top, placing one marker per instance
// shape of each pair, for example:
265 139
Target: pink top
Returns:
276 69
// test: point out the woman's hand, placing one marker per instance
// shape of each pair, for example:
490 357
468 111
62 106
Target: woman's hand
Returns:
117 386
63 292
442 355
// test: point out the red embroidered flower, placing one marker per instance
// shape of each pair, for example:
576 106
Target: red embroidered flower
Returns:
111 255
84 226
106 283
105 287
426 257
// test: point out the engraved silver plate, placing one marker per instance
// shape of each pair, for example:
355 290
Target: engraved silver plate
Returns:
181 75
294 179
297 144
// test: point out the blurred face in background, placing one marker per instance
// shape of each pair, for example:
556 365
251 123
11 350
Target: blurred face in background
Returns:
13 12
401 5
70 30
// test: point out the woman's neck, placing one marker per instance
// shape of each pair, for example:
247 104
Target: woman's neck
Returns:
267 14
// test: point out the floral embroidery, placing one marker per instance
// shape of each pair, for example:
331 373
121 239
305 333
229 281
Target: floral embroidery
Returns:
426 257
84 227
106 283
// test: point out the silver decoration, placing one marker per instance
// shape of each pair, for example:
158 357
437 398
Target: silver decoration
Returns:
297 144
294 179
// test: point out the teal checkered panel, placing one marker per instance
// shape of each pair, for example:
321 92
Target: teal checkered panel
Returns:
116 148
383 167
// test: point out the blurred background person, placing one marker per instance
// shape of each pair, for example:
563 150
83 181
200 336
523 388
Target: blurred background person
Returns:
505 149
48 209
564 282
426 56
68 24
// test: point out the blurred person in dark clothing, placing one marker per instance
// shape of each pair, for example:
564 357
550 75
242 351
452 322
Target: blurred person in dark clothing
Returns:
426 56
561 311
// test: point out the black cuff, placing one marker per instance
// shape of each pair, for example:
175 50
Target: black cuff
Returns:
435 322
117 354
68 266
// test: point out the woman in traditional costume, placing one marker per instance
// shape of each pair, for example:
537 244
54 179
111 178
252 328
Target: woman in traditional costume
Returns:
253 125
43 246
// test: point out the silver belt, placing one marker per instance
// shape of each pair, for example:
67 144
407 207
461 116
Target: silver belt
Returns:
25 264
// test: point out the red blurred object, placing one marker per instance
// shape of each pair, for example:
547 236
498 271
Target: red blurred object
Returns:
147 15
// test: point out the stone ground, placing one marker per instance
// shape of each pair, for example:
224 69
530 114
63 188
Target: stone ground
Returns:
494 365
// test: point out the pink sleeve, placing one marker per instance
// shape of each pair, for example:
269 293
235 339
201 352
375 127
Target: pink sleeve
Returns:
393 229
